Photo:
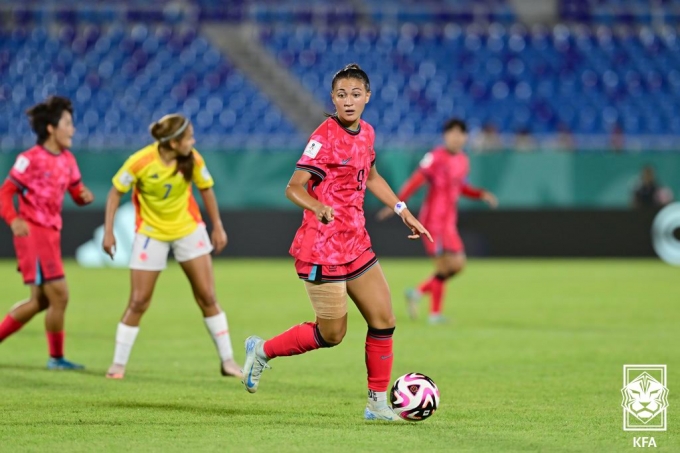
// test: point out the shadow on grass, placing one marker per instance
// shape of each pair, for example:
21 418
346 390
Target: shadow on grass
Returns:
43 368
192 409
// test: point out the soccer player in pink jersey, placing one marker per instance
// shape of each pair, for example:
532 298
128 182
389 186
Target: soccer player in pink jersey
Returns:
332 249
445 169
40 177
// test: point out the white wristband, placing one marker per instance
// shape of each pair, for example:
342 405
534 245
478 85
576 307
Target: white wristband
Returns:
399 207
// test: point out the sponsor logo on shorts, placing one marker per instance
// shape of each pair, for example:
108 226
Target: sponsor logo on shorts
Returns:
143 256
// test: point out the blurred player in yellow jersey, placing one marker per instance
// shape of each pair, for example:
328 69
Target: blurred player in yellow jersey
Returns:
167 215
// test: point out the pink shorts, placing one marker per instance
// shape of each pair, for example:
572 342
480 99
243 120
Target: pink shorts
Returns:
39 255
336 273
446 241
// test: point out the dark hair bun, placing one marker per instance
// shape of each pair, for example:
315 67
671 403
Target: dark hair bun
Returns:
154 130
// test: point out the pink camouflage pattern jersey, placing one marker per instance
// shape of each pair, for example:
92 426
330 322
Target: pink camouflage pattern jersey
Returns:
339 161
43 178
446 174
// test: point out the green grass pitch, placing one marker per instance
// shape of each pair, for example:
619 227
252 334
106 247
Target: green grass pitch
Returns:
532 362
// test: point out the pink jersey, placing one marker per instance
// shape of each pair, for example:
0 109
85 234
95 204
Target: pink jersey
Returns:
43 178
446 174
339 160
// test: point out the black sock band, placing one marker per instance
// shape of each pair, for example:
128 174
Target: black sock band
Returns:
381 334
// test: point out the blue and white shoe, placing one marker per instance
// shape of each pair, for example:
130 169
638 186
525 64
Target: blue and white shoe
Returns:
255 363
62 364
384 413
413 297
438 319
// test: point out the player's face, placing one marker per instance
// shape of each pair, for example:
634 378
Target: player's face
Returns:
184 146
62 135
455 139
350 98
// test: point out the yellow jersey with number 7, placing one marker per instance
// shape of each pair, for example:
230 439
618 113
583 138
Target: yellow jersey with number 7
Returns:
165 206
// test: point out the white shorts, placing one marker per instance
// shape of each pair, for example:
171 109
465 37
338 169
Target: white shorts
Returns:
150 254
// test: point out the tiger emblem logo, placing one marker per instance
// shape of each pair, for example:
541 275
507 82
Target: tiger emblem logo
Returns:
644 397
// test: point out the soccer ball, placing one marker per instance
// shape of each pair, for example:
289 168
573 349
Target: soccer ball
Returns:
414 397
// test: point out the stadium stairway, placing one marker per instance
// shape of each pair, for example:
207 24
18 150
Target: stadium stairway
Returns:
243 48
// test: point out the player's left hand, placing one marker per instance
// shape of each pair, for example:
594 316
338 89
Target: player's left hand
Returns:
86 195
416 227
490 199
219 240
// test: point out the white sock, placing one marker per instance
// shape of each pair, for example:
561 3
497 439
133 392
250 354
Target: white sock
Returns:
377 399
125 339
219 330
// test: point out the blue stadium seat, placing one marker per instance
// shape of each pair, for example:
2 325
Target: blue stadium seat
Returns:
121 79
584 78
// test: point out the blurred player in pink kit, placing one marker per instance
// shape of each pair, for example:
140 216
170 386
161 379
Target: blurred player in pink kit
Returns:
40 177
332 249
445 169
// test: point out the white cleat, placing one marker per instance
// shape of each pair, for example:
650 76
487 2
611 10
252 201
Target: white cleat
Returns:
116 371
438 319
255 363
384 413
413 297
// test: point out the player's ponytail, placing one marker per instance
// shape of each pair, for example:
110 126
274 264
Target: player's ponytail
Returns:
351 71
173 127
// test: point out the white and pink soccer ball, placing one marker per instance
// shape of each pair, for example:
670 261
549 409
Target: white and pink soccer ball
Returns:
414 397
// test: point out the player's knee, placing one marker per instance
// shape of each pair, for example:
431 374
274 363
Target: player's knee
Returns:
333 336
389 321
455 269
206 299
57 299
42 302
139 302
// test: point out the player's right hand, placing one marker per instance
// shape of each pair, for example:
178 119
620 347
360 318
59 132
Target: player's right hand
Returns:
384 214
324 214
19 227
109 244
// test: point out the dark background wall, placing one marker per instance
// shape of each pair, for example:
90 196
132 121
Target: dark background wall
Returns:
509 233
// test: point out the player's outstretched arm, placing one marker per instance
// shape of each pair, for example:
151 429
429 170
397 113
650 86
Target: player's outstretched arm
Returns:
479 194
218 236
81 195
296 192
112 203
383 192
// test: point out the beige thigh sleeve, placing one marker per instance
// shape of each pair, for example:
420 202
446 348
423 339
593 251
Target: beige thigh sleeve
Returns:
329 300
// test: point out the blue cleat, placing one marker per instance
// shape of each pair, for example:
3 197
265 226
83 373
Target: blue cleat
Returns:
62 364
255 364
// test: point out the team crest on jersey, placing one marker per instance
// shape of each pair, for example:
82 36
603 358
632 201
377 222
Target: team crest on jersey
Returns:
21 164
125 178
426 161
312 149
